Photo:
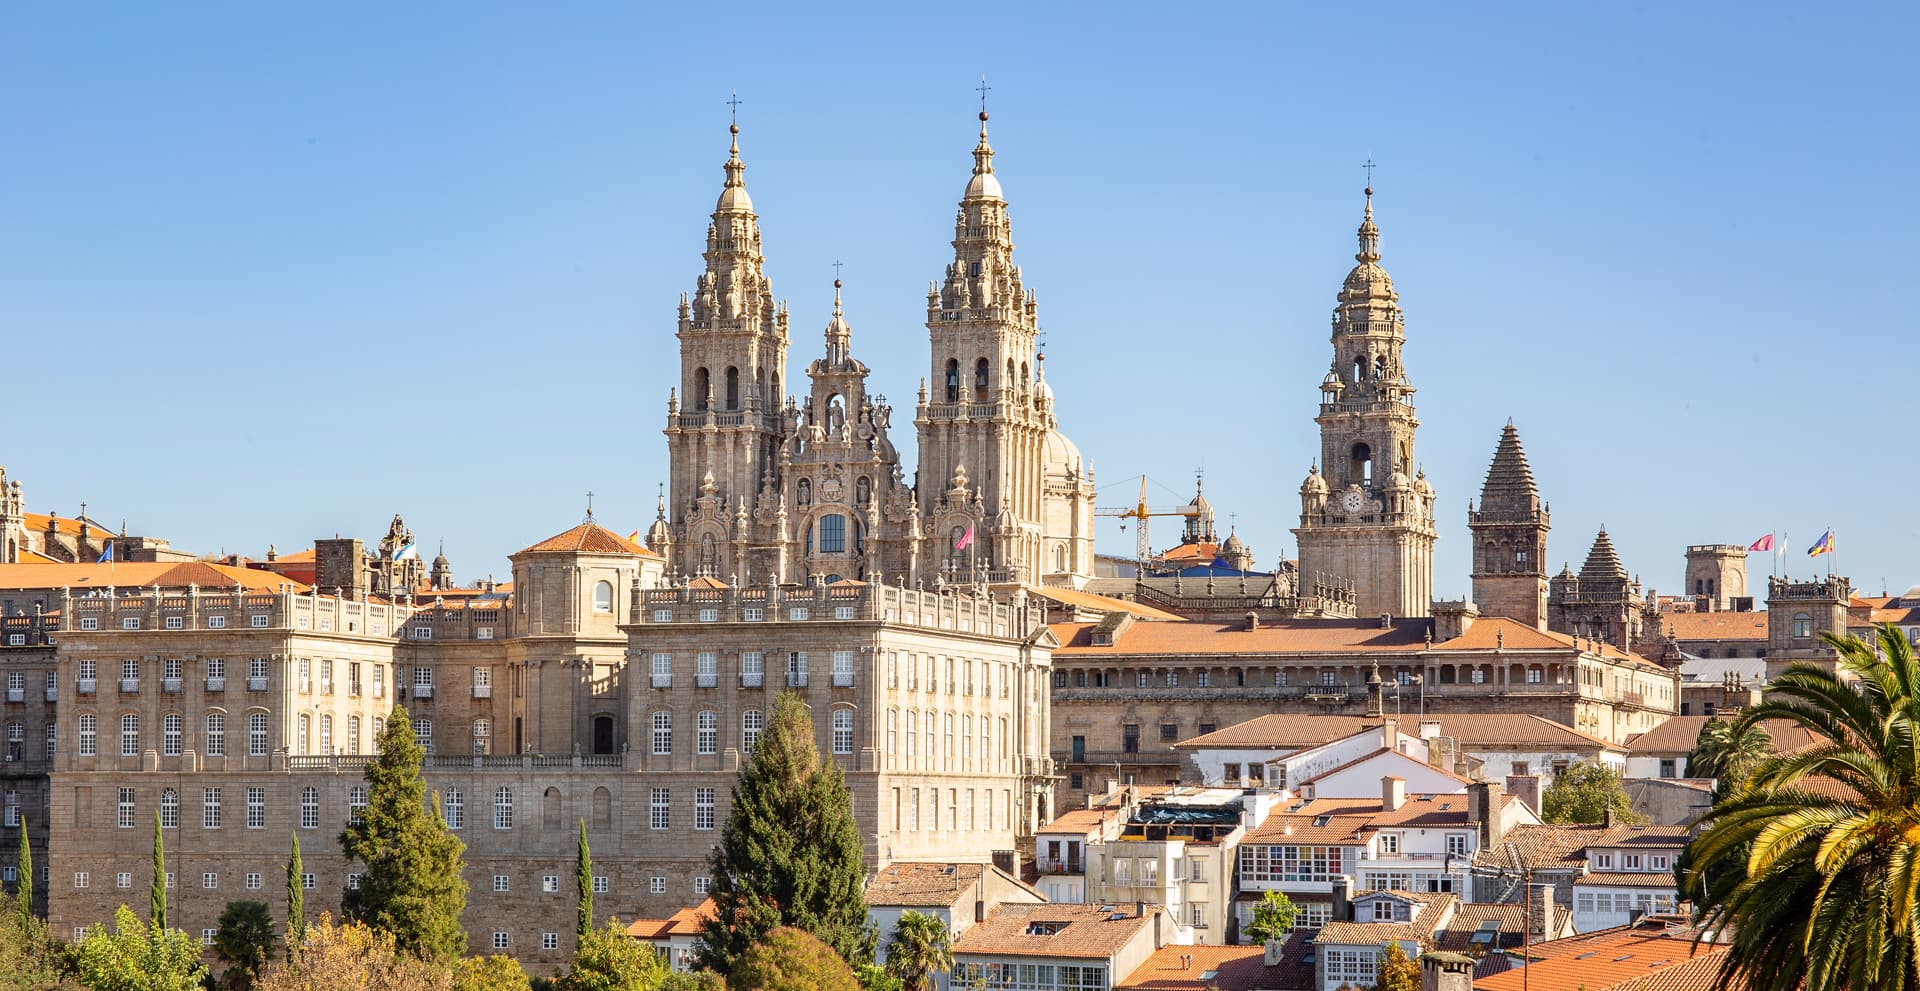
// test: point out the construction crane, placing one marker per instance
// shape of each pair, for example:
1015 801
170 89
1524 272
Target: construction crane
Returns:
1143 543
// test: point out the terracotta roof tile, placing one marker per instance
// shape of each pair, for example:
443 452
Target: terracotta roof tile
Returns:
589 538
1606 959
1369 933
922 885
1081 932
1278 637
131 576
1615 879
685 922
1099 603
1716 625
1079 821
1678 734
1470 731
1511 919
1225 968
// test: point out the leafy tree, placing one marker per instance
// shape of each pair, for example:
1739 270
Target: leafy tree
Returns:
498 972
1273 918
699 980
1398 972
583 885
607 960
874 978
1587 793
353 955
413 886
157 895
1728 751
919 948
296 903
25 900
790 959
244 943
1812 863
790 854
138 956
31 957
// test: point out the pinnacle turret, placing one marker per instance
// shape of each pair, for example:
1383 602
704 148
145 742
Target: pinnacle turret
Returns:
1603 562
1509 491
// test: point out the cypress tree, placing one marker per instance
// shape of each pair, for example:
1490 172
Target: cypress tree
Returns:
412 888
296 902
790 854
583 882
157 900
26 876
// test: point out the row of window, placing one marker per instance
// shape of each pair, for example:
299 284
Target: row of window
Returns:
706 731
753 614
257 621
936 740
452 803
1633 861
978 807
1623 901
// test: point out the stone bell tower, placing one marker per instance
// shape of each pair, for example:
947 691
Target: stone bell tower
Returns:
1510 538
1367 516
723 423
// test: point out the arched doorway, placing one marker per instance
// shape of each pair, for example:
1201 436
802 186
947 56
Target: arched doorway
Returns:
603 734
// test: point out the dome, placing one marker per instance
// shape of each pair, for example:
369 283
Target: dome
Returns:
1399 480
1234 545
1061 455
1314 485
984 187
734 198
1421 485
658 534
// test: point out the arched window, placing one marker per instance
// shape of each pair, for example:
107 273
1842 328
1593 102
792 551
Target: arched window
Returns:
751 722
1802 626
326 733
602 596
503 808
309 808
980 374
303 734
843 731
482 735
1359 369
602 809
353 735
833 534
356 804
550 809
217 732
733 388
1360 465
910 723
1059 557
453 806
700 389
953 380
129 735
707 732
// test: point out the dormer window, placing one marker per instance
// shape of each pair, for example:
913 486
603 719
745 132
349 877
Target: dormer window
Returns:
1045 928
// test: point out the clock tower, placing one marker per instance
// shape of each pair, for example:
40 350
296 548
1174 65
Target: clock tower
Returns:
1366 512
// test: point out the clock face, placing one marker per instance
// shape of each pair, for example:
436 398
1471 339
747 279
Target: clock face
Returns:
1353 500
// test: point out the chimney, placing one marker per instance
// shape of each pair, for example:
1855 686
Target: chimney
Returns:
1386 621
1390 733
1393 793
1483 810
1253 621
1526 788
1159 939
1429 728
1342 899
1606 817
1440 752
1441 970
1275 950
1540 912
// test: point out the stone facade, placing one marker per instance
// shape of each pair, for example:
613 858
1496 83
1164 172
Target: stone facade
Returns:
1367 516
1602 602
813 490
1798 614
1716 576
1510 538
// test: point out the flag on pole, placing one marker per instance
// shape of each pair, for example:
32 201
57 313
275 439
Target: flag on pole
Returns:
409 551
106 556
634 537
960 543
1763 544
1822 546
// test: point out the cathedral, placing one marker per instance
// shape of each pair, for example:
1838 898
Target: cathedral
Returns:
809 488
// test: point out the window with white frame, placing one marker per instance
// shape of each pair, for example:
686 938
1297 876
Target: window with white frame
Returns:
662 733
169 809
256 734
752 721
843 731
88 735
550 884
356 804
210 808
170 734
124 814
254 881
707 732
499 940
842 668
660 809
549 940
209 881
503 808
657 885
453 805
600 886
703 811
502 883
702 884
256 807
129 735
216 741
309 808
124 879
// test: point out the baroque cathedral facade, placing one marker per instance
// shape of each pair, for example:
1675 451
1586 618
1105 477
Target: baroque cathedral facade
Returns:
809 488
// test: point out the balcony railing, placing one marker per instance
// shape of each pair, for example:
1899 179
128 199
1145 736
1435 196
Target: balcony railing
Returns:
86 686
16 695
216 683
750 680
423 691
170 685
663 681
256 684
796 679
130 686
706 681
843 679
53 694
479 691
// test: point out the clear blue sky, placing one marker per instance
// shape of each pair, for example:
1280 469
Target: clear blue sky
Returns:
269 272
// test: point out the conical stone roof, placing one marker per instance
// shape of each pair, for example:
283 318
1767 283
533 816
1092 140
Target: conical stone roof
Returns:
1603 562
1509 488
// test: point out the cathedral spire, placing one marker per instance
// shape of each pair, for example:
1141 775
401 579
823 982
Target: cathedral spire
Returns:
1369 235
1509 488
839 335
733 195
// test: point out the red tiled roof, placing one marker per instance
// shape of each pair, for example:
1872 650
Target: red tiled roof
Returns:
1084 931
686 922
1233 968
1605 959
132 576
922 885
1617 879
590 538
1281 731
1716 625
1678 734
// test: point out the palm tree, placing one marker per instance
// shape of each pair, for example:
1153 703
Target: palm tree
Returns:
1728 749
918 949
1812 863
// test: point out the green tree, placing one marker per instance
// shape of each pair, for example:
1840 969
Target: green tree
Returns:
874 978
412 887
296 903
919 948
25 901
790 959
353 955
157 895
1728 751
31 957
244 942
1273 918
583 885
699 980
498 972
1812 864
607 960
790 854
138 956
1587 793
1398 972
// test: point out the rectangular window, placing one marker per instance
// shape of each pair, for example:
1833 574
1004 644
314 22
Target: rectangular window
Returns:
256 734
707 669
702 884
253 881
210 808
549 941
499 940
209 881
842 668
703 808
353 882
125 811
256 808
600 884
662 670
308 882
662 733
1457 844
660 809
82 879
550 883
501 883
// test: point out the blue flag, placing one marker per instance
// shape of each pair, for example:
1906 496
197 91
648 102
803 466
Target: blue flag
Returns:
106 556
